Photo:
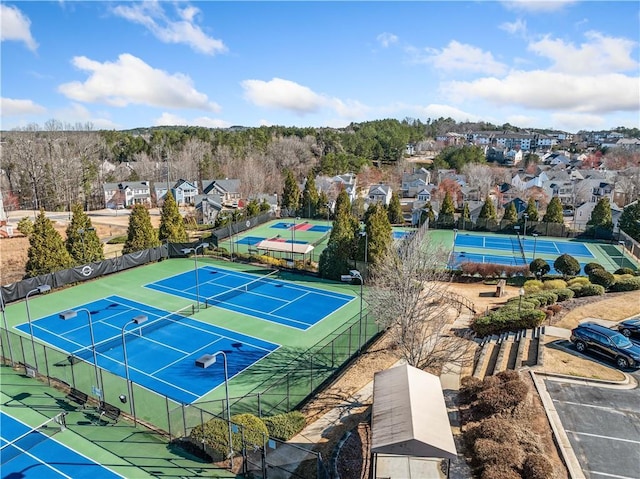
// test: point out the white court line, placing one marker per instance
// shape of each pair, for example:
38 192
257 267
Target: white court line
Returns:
600 436
183 358
38 460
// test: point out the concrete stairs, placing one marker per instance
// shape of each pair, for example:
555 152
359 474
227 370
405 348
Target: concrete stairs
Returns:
511 350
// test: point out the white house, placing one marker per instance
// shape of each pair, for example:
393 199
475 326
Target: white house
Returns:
414 182
229 190
126 194
380 194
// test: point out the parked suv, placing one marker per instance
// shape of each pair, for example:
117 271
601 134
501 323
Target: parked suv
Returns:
606 342
630 327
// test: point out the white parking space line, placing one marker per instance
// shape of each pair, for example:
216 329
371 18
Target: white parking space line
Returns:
602 437
596 473
602 408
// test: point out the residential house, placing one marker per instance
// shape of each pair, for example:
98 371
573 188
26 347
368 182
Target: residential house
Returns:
524 181
126 194
184 192
207 208
271 200
228 190
414 182
513 156
380 194
333 185
583 215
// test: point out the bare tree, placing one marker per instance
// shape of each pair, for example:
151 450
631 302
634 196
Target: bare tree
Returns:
409 295
480 176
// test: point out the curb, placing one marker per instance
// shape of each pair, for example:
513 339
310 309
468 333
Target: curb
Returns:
559 435
627 383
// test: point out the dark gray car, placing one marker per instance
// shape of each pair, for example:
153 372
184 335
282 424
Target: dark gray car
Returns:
606 342
630 327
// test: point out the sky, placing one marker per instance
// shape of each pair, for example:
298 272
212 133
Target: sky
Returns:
566 65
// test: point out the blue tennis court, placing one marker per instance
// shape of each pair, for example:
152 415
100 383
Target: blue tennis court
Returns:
161 352
464 257
263 297
37 456
510 243
250 240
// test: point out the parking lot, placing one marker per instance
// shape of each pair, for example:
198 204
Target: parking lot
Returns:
602 423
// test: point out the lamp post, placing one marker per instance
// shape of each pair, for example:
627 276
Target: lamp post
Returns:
141 318
364 234
526 217
206 361
293 239
356 274
195 258
521 294
81 232
535 240
43 288
66 315
453 249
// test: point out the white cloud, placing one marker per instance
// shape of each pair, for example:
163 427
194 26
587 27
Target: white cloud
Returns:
169 119
519 27
77 113
13 107
550 91
168 30
537 6
130 80
577 121
283 94
387 39
461 57
599 54
14 25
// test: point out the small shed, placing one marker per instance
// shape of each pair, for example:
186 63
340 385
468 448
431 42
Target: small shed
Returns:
410 425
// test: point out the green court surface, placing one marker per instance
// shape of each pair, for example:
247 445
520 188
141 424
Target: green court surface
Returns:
132 452
274 384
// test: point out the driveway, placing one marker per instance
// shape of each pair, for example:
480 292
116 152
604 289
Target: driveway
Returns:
603 426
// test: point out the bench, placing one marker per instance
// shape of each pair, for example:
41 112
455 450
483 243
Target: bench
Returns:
77 397
108 411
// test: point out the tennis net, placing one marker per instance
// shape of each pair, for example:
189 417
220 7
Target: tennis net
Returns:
32 438
243 288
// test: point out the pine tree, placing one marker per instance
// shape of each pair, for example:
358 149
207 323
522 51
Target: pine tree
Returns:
532 210
427 214
379 231
601 215
395 210
140 234
310 197
630 220
47 252
336 258
510 214
82 241
343 204
554 212
252 208
447 210
290 194
488 210
466 216
171 223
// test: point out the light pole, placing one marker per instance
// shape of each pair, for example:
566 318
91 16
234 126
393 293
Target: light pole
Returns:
141 318
453 249
364 234
206 361
535 240
356 274
66 315
195 257
81 232
521 294
293 239
43 288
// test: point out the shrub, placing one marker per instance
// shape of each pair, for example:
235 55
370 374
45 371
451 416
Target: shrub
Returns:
215 435
117 240
555 308
497 429
494 471
601 277
623 271
285 426
554 284
539 267
567 265
591 267
564 294
492 452
536 466
255 431
533 286
627 284
578 280
577 289
25 226
531 318
496 400
592 290
544 298
469 387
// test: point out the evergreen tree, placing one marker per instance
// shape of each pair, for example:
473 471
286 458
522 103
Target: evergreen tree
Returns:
140 233
323 205
447 210
395 210
25 226
343 204
567 265
427 214
264 206
554 212
336 258
47 252
466 214
510 214
171 223
252 208
601 215
358 207
539 267
379 231
290 194
532 210
82 241
630 220
488 210
310 197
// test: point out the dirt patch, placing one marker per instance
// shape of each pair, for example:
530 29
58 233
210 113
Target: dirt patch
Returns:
612 307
